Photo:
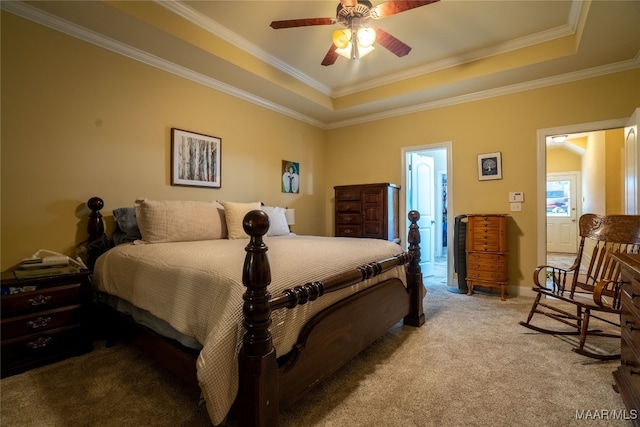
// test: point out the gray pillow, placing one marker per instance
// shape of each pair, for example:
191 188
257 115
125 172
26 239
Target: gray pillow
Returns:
126 229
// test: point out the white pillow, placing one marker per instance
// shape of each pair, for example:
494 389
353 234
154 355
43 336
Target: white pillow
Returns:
234 214
278 221
179 220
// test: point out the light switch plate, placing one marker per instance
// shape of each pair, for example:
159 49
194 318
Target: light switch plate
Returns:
516 207
516 196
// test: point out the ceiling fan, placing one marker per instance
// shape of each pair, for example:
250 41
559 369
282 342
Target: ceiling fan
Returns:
357 39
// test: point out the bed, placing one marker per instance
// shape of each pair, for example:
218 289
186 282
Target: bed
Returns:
254 332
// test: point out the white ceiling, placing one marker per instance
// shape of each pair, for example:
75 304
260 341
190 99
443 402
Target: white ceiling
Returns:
461 49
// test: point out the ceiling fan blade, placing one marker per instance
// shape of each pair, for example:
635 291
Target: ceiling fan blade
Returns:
392 7
291 23
391 43
331 56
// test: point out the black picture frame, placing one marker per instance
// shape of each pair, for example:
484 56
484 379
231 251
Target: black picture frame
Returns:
195 159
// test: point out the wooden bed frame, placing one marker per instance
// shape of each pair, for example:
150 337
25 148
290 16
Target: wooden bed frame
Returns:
328 341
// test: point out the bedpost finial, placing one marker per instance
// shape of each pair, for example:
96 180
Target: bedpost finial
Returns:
413 216
95 203
256 223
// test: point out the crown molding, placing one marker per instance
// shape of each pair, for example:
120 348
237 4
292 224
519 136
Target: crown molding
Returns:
33 14
501 91
38 16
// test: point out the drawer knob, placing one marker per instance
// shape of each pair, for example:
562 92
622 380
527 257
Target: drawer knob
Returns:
39 322
39 300
39 342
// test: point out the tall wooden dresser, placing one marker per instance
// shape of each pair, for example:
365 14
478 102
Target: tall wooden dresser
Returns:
627 376
367 210
487 252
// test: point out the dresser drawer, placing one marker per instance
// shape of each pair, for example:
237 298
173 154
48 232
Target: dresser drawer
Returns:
489 276
41 345
348 218
348 207
487 221
486 262
41 299
491 258
347 194
348 230
372 229
485 246
373 197
631 292
41 321
629 366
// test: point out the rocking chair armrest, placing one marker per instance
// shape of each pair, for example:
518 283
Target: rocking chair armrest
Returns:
543 269
600 291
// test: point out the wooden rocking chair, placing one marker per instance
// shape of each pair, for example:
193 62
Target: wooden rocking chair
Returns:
591 285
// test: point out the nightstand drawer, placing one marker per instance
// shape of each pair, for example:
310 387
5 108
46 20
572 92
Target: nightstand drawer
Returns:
36 346
41 299
40 321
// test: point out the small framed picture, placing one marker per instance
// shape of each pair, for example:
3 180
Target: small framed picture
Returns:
195 159
490 166
290 177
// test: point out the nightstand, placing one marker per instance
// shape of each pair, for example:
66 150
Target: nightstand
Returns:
43 319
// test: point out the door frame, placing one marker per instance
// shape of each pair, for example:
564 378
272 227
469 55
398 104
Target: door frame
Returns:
403 197
541 159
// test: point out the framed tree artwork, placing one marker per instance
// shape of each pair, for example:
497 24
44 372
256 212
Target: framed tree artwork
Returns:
195 159
490 166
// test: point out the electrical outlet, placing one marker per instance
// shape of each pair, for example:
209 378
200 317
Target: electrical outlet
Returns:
516 207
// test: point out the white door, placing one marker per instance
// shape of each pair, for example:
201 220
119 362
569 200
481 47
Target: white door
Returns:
562 212
421 198
631 164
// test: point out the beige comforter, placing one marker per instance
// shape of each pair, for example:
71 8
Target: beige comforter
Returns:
197 288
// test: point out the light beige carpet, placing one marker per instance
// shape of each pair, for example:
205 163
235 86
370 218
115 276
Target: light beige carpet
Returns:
471 364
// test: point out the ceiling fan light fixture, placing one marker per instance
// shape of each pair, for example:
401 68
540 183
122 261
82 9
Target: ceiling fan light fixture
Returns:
366 36
354 52
341 38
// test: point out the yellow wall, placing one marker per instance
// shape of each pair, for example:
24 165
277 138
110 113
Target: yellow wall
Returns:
372 152
79 121
563 160
614 165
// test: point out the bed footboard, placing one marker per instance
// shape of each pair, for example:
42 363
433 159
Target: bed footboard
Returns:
331 339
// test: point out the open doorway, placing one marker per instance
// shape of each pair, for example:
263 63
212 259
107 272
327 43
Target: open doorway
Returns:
426 188
591 164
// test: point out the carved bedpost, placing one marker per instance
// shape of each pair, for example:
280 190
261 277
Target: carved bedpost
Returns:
95 227
414 273
258 367
97 242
